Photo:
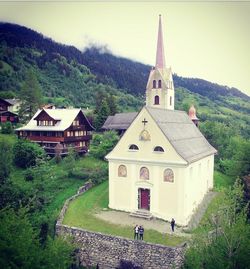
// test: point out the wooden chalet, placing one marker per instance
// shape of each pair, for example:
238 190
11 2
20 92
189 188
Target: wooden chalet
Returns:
6 111
58 130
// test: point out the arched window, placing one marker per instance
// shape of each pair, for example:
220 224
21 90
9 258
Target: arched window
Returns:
168 175
154 84
133 147
144 173
170 101
157 100
159 83
159 149
122 171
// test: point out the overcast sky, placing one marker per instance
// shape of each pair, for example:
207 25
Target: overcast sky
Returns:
208 40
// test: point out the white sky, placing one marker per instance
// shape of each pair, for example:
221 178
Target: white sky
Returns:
209 40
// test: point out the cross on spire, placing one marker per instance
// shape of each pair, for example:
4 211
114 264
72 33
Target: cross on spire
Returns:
160 55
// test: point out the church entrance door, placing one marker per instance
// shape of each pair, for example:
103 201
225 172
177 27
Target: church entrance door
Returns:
144 199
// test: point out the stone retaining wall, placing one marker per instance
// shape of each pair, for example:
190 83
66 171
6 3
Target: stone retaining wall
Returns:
107 251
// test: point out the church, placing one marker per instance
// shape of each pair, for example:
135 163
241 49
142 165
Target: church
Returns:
163 165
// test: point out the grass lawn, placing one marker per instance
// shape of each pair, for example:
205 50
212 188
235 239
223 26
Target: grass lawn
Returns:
81 214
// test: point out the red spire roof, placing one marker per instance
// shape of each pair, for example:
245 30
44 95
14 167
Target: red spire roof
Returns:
160 56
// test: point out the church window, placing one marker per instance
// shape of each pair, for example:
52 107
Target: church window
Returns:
154 84
157 100
170 101
168 175
122 171
159 83
158 149
133 147
144 173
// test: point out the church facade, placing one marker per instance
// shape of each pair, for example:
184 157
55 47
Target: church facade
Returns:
162 164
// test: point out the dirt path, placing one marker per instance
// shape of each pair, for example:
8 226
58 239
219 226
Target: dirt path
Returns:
123 218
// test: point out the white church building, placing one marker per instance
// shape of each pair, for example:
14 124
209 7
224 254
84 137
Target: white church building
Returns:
162 165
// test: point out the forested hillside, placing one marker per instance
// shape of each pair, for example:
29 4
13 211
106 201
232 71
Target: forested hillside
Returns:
63 78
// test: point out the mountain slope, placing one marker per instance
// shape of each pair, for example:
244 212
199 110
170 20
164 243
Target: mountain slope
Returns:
70 77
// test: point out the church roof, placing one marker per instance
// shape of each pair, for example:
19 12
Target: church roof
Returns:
182 133
119 121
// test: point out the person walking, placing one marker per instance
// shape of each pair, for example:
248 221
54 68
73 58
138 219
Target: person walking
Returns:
136 231
172 223
141 232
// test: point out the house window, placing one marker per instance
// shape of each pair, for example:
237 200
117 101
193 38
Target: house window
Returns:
133 147
158 149
168 175
170 101
75 122
157 100
82 143
122 171
144 173
154 84
159 83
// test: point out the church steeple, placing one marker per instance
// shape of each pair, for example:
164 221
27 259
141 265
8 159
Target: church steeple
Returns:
160 86
160 55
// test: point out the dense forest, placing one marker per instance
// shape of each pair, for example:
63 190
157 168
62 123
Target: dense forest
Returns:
102 84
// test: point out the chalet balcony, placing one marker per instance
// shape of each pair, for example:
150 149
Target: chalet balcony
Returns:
64 151
45 138
77 138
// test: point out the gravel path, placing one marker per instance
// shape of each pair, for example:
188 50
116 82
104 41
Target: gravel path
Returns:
123 218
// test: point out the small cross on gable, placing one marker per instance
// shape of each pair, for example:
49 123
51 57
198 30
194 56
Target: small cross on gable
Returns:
144 122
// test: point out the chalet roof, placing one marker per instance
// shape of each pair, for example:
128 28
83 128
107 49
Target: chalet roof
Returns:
12 101
65 118
6 101
8 113
119 121
182 133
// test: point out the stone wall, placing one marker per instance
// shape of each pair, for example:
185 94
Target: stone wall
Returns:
107 251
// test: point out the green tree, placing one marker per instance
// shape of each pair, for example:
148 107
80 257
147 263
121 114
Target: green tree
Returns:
5 160
112 104
7 128
102 115
237 157
31 97
20 248
225 240
102 144
69 161
26 153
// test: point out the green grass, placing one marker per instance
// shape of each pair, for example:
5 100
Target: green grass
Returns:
81 212
222 181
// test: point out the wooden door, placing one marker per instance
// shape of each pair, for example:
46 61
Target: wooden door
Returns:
144 199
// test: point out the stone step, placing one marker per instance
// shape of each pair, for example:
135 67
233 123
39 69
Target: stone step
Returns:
141 214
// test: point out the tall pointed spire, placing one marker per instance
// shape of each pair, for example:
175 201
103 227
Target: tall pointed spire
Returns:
160 56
